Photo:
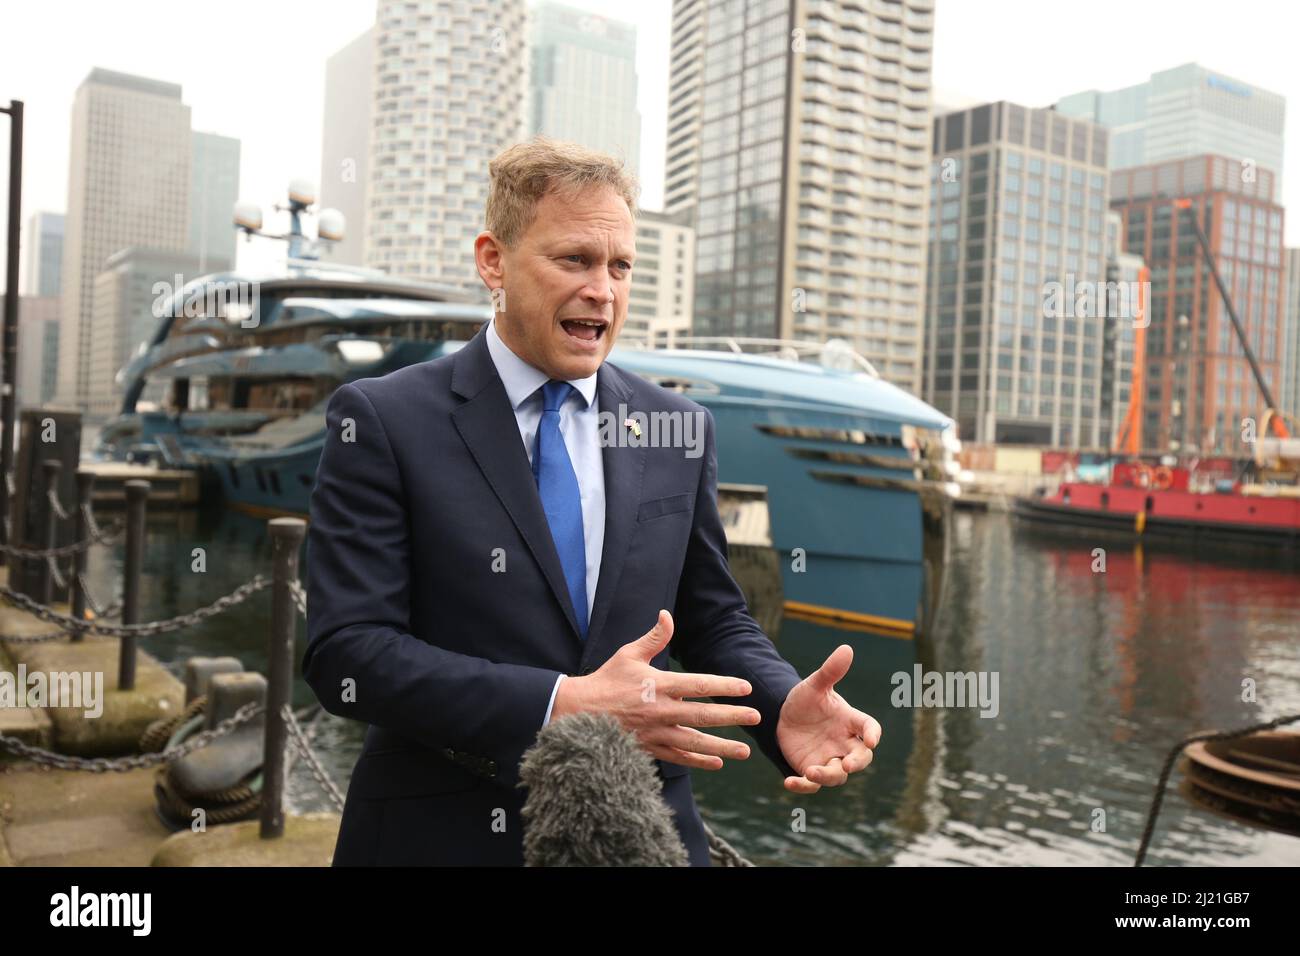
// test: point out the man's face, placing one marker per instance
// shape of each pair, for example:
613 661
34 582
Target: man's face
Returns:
566 281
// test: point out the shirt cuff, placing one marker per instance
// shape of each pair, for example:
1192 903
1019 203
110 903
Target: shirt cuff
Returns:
551 705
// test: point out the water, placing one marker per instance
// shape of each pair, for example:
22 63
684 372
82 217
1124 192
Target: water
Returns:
1098 675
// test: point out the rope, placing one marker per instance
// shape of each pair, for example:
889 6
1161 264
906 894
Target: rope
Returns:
1168 768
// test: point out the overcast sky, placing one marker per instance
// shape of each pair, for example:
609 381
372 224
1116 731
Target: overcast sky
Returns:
254 69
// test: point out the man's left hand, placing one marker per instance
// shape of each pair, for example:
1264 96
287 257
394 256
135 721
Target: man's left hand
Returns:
820 735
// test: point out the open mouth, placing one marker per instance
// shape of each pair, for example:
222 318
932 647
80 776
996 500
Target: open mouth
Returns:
584 330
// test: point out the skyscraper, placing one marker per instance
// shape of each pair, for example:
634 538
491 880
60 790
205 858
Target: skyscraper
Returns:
1015 302
128 184
214 188
450 83
808 175
43 251
345 142
1199 388
583 80
1187 111
685 88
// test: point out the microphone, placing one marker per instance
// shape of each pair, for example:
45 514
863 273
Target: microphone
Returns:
594 798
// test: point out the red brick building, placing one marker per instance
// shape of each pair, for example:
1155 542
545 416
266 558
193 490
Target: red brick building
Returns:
1199 387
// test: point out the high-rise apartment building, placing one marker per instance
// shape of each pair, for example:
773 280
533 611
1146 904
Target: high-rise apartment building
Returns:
808 174
583 81
1017 233
1199 388
128 184
449 93
685 92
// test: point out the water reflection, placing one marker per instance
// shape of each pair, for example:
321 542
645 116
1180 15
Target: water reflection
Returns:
1099 673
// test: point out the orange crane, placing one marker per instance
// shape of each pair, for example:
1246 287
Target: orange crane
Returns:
1129 440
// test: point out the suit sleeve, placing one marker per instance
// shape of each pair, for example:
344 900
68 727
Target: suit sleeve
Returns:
361 659
714 632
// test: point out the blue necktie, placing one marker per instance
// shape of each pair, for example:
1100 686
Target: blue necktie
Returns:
557 483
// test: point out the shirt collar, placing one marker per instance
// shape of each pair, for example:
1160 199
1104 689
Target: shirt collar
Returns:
521 379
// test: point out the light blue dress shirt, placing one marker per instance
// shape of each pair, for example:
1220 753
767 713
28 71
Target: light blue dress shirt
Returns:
580 428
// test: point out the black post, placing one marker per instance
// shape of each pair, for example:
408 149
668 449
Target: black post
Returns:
286 540
76 595
7 389
137 495
51 469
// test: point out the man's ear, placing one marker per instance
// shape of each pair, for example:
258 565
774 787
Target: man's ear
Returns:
489 257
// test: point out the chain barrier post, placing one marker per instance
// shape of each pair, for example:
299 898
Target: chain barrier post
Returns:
81 532
286 541
51 469
137 496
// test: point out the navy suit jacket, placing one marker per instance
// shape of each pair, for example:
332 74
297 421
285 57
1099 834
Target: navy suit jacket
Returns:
413 627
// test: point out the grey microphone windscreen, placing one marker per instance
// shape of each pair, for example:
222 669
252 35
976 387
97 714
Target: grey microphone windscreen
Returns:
594 798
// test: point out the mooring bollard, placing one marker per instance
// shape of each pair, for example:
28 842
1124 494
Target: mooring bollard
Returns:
137 496
80 560
286 541
51 469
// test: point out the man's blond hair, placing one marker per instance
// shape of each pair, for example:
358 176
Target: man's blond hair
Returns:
525 172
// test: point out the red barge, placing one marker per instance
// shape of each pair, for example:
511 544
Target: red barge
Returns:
1142 501
1145 502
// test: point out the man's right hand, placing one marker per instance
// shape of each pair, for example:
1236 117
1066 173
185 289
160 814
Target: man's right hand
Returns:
651 702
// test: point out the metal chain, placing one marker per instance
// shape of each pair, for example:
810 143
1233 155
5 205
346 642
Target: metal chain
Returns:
34 638
1159 797
722 851
96 532
72 624
111 610
97 535
56 506
48 758
304 748
41 553
299 596
59 582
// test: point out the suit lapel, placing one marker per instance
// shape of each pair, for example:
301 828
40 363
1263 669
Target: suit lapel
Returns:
487 425
624 468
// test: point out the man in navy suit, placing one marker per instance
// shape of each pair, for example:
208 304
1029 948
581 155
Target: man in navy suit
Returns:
492 546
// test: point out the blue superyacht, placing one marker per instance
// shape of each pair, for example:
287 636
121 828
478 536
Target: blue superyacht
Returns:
857 474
